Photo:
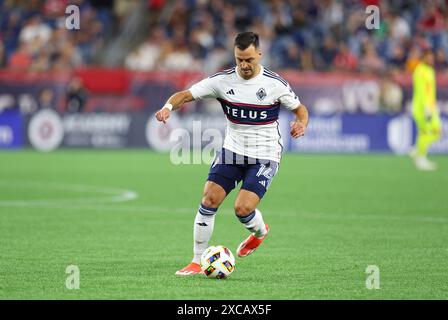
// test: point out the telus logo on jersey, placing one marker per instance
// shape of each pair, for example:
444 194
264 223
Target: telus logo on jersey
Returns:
244 113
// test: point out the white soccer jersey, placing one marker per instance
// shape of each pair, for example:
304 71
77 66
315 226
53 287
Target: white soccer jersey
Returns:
251 107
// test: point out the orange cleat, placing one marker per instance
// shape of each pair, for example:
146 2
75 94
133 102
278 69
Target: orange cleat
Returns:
190 270
250 244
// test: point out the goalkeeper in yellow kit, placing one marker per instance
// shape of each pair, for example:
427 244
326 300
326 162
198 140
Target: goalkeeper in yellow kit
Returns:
425 111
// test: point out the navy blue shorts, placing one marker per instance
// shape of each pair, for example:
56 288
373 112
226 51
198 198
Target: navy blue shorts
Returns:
229 168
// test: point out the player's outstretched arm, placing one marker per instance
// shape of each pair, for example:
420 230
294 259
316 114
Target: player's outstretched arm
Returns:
298 127
173 103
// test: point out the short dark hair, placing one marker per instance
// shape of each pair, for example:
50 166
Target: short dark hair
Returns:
244 39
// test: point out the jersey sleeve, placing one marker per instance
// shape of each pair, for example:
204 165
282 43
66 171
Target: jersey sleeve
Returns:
288 98
205 88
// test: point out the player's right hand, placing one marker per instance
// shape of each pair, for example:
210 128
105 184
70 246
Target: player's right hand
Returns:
163 115
428 114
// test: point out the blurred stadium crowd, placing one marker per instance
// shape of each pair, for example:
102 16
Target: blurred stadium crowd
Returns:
198 34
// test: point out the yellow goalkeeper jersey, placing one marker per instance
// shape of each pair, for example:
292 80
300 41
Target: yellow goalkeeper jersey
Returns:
424 93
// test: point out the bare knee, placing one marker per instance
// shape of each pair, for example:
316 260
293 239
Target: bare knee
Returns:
245 203
243 209
213 197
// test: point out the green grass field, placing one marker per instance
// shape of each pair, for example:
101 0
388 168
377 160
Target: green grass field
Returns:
331 216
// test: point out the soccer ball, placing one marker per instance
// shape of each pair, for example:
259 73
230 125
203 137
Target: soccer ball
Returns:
217 262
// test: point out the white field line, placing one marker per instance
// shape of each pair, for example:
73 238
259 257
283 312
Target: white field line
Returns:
101 194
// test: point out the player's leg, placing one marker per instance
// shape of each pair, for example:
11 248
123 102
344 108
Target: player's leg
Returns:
222 179
427 134
435 129
255 184
434 134
213 196
246 211
420 142
204 222
423 141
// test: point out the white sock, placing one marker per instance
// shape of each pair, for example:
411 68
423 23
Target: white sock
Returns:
254 223
202 231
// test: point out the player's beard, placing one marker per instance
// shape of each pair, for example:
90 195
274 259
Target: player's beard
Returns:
247 73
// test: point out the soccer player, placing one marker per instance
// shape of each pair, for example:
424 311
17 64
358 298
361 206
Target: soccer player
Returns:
250 96
425 111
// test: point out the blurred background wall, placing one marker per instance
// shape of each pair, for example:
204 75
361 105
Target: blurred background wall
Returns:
100 85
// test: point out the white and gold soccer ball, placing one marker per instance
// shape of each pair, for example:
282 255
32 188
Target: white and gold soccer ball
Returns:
217 262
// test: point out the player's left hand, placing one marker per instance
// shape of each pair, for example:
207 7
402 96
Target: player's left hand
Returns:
297 129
